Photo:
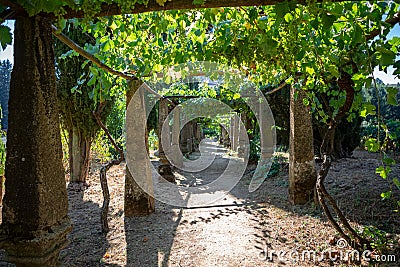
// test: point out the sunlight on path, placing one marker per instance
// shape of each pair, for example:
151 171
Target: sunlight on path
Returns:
221 234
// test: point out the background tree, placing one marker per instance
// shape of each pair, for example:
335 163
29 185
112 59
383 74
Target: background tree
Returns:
5 76
77 103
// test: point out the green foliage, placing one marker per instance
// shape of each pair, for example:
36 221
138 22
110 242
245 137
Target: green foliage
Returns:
153 140
211 131
65 149
101 148
316 43
255 148
390 131
5 36
278 162
116 125
378 238
75 92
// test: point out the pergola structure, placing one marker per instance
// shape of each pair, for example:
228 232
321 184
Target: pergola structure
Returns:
35 208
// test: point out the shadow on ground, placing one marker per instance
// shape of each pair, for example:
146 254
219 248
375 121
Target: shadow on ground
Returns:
87 244
151 236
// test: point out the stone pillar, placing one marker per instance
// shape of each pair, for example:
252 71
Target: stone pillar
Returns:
231 125
223 134
190 137
242 138
164 169
302 174
137 201
176 128
227 137
184 136
199 132
35 211
235 133
267 144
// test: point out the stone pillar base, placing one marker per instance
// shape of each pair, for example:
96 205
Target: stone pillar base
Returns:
41 250
136 201
165 171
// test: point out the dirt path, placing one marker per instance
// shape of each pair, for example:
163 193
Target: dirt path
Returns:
235 231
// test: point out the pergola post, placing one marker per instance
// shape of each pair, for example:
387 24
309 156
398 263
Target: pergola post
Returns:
235 132
190 140
35 212
137 201
242 139
302 174
175 149
164 139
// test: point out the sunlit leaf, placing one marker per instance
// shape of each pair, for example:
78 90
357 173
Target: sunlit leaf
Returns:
372 145
386 195
383 171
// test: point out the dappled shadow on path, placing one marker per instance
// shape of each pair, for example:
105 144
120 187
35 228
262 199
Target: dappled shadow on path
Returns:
149 239
87 244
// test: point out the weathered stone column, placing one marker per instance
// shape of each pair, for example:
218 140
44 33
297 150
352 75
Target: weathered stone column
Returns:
226 140
184 136
231 126
137 201
266 142
199 132
176 128
235 133
223 134
302 174
191 140
242 138
164 169
187 137
35 211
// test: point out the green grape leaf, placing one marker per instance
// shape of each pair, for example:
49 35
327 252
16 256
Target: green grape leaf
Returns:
396 182
386 195
236 96
388 161
327 21
395 42
372 145
358 35
288 17
310 70
281 9
392 96
367 109
383 171
334 70
5 36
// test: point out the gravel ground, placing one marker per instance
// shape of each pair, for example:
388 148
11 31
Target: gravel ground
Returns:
242 229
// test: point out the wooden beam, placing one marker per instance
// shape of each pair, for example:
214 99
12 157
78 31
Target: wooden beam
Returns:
74 46
114 9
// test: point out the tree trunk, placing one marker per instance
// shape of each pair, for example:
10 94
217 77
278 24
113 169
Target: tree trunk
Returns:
302 174
35 211
79 156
